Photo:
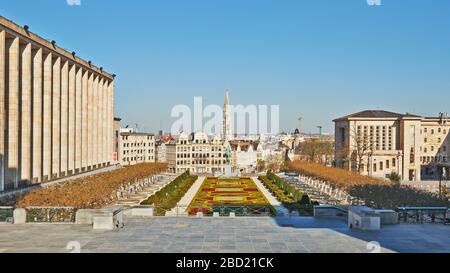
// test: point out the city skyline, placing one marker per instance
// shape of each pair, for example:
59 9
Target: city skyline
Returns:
306 57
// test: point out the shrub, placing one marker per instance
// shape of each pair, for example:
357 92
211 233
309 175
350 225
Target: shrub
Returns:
168 197
89 192
338 177
394 177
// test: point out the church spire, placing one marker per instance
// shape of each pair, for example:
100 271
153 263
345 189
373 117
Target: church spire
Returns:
226 130
227 100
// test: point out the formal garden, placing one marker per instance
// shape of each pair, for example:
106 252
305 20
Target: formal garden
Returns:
167 198
373 192
292 198
224 195
90 192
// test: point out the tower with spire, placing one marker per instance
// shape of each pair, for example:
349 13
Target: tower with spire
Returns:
226 130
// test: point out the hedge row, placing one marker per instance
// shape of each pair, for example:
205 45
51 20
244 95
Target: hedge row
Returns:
285 192
168 197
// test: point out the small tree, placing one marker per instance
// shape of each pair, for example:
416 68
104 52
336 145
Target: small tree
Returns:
362 145
394 177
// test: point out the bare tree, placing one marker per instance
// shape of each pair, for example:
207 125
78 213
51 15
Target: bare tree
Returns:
362 145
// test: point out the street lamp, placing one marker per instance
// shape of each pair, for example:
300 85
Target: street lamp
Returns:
320 132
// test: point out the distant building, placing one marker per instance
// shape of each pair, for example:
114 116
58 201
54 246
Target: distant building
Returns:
116 142
196 153
160 154
245 155
415 147
137 148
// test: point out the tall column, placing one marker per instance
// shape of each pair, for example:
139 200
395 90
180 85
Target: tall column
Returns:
2 110
111 121
36 139
95 122
56 119
90 119
84 120
71 122
12 90
78 117
105 122
25 113
47 118
64 116
101 121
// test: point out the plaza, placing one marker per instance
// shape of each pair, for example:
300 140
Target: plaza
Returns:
224 235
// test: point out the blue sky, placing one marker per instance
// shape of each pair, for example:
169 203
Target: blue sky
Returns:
319 59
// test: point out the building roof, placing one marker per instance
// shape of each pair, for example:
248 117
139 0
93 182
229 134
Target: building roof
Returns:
136 134
245 145
52 47
376 114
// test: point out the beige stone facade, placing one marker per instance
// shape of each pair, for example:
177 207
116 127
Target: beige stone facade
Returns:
196 153
50 115
136 148
378 143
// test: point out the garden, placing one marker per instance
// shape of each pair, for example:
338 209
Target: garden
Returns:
225 195
373 192
292 198
90 192
168 197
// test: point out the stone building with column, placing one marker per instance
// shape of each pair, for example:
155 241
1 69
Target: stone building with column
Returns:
56 110
415 147
136 148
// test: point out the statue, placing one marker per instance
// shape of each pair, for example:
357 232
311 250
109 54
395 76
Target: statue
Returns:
228 155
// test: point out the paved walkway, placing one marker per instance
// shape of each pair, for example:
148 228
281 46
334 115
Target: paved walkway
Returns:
231 235
190 194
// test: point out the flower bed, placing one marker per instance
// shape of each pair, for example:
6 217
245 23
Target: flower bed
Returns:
168 197
228 192
89 192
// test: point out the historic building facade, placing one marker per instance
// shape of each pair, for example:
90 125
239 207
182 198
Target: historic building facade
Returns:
245 155
136 148
378 143
196 153
56 110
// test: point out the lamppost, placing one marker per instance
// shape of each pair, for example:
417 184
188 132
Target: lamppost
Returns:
398 164
320 132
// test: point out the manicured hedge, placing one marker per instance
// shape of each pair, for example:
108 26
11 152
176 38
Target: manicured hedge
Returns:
168 197
291 197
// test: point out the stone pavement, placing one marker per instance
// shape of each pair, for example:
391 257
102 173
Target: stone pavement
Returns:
207 234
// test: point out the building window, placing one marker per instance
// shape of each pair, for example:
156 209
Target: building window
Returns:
381 166
393 162
425 140
387 164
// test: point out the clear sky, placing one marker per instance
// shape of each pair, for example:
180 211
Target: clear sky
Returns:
319 59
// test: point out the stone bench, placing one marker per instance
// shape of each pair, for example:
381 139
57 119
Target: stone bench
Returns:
108 219
146 211
364 218
329 211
